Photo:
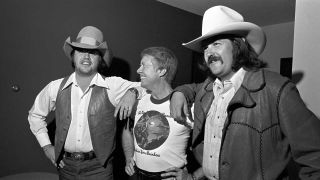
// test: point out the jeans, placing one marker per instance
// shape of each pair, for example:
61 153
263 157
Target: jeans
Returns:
85 170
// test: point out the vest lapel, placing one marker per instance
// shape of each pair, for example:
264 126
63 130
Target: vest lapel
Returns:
96 100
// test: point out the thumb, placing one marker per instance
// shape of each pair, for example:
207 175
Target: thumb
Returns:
116 111
186 110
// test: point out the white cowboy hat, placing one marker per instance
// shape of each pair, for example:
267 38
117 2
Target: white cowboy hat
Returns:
89 37
222 20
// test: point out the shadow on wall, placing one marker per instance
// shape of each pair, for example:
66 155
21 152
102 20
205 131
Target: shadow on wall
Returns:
286 70
118 67
297 77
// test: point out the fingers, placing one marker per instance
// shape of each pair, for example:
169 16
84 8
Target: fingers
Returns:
170 173
122 110
186 109
128 112
116 110
170 178
125 105
49 152
171 169
129 170
124 113
174 112
130 167
61 164
53 162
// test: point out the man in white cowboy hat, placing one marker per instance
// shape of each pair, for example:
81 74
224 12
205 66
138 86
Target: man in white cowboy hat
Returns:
84 105
248 122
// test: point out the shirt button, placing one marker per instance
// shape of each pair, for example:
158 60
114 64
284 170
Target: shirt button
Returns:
211 156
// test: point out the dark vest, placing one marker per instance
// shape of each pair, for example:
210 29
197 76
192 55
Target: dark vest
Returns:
102 124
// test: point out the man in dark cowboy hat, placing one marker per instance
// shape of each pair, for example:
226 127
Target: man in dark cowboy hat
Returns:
249 122
84 104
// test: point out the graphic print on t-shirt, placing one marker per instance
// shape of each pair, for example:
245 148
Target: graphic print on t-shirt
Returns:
151 130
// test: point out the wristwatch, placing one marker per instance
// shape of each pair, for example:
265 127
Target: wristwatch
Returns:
135 91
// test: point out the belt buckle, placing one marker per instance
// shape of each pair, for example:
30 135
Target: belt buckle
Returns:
78 156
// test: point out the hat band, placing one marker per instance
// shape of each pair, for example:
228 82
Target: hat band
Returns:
88 40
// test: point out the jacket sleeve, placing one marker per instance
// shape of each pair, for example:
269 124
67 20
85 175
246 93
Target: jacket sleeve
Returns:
302 129
190 91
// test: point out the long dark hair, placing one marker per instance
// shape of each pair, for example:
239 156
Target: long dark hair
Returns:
245 56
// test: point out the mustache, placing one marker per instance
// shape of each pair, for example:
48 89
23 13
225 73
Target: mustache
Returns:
214 58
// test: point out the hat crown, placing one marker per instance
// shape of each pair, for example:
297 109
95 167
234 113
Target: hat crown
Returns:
219 16
90 35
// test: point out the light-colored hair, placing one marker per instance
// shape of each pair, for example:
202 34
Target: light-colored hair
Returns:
165 58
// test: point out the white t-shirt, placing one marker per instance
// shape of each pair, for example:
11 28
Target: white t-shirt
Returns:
160 142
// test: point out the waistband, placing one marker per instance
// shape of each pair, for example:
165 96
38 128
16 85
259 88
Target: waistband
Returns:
80 156
149 174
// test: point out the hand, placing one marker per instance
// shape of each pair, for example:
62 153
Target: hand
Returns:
176 174
179 107
130 167
50 153
125 105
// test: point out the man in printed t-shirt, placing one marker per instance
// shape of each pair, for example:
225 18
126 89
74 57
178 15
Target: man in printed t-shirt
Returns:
157 144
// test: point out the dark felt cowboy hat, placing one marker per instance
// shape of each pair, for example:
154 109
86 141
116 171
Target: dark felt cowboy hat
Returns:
219 20
89 37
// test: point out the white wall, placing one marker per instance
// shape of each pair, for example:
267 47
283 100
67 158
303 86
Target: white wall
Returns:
279 44
306 58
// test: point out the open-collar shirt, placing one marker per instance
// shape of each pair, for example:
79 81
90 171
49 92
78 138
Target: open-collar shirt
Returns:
78 137
223 93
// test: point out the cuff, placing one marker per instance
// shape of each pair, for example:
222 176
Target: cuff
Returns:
43 139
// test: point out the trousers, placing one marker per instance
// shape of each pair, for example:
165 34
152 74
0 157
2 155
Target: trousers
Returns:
85 170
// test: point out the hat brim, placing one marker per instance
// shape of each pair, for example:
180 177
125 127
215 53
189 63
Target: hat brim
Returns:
102 48
253 34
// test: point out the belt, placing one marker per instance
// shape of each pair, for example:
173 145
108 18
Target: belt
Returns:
80 156
156 175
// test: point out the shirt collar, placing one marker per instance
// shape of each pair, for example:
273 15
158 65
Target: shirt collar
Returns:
97 80
235 80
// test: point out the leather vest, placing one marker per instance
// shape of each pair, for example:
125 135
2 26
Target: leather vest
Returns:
102 124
